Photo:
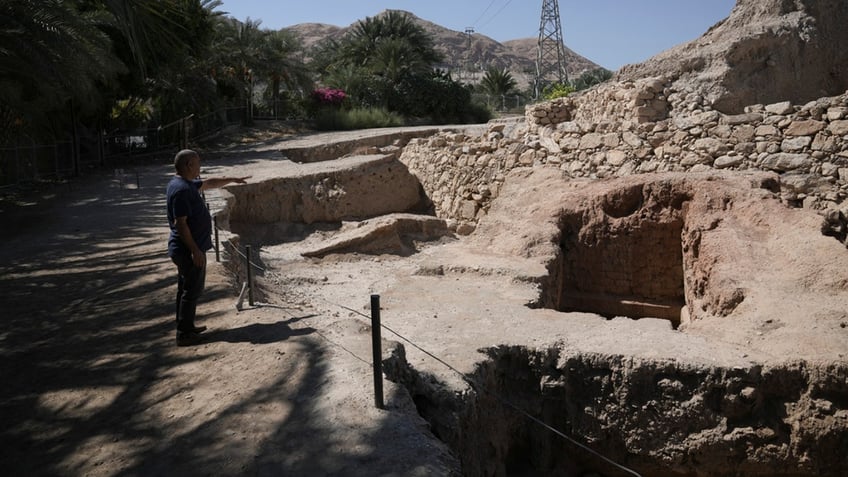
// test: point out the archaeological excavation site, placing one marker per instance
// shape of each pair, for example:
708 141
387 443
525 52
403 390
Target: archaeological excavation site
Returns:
646 278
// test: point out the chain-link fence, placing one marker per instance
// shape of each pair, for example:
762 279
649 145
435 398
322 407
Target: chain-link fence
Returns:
36 162
26 163
502 103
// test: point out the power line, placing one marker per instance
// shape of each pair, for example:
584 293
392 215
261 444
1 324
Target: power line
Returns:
496 13
484 12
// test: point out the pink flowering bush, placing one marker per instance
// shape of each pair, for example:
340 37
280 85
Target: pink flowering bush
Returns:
329 97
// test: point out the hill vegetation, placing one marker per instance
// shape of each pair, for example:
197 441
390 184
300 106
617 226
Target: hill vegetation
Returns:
83 68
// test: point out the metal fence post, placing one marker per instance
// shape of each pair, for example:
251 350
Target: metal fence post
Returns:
217 242
377 351
249 276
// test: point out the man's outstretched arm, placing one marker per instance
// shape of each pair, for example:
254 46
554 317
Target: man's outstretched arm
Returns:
216 182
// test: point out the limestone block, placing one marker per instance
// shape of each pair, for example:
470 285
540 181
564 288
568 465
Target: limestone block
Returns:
782 108
683 122
828 169
711 146
569 127
611 140
795 144
766 131
616 157
804 128
437 141
527 158
825 143
591 141
744 133
745 148
551 145
745 118
802 183
724 162
689 159
838 128
355 187
569 143
836 113
631 139
783 162
648 166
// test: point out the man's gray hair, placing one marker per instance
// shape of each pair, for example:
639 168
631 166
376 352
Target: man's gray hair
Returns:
182 158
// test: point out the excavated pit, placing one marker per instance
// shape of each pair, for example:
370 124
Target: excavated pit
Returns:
622 258
692 250
629 266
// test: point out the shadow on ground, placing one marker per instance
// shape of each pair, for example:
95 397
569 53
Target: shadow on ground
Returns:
92 381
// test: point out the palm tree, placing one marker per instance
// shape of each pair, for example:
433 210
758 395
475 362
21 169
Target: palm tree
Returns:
238 47
394 28
389 51
157 32
52 57
280 65
498 82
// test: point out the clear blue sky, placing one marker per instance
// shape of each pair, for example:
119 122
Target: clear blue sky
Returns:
611 33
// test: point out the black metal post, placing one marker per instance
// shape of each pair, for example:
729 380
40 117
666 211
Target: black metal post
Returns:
217 243
377 351
249 277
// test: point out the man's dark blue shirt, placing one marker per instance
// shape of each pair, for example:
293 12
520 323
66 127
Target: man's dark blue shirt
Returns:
184 200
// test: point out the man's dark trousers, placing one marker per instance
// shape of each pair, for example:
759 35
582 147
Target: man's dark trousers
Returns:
190 284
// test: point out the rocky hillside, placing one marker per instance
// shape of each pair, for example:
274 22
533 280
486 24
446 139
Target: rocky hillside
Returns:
766 51
517 56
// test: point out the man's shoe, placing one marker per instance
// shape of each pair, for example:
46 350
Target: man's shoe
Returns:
188 338
199 329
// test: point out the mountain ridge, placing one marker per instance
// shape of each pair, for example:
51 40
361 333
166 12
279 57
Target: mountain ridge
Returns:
467 64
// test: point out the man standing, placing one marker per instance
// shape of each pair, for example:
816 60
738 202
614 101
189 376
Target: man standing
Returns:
191 238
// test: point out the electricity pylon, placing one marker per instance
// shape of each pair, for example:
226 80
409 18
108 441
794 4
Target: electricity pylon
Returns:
550 55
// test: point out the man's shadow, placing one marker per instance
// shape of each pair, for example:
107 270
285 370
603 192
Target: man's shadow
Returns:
260 333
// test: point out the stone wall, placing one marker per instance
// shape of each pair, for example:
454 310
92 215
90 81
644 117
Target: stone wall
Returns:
618 129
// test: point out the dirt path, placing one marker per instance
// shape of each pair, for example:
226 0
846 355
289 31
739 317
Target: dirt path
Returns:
94 385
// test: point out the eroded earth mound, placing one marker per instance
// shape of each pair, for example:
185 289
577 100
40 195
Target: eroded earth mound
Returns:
766 51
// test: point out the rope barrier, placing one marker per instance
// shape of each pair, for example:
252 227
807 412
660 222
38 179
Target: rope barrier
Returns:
478 387
242 255
287 310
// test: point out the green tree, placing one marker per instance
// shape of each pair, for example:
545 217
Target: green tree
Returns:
72 63
282 67
591 78
176 73
238 46
498 82
249 57
392 38
54 62
374 61
387 62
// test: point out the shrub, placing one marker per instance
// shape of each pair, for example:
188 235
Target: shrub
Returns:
358 118
557 90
